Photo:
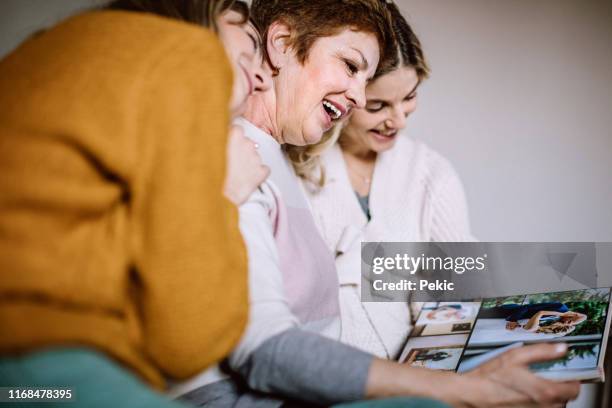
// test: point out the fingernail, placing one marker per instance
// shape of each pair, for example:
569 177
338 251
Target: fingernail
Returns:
561 348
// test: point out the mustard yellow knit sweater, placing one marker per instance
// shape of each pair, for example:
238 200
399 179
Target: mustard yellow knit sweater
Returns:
113 229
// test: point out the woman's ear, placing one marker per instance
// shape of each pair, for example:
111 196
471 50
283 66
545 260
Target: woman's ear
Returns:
277 44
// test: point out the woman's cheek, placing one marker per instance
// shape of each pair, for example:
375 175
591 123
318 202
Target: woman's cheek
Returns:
363 120
375 120
411 107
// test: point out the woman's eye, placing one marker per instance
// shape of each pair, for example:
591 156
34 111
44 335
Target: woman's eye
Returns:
374 107
255 43
352 67
410 97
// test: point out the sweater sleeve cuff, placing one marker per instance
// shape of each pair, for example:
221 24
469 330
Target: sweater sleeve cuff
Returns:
306 366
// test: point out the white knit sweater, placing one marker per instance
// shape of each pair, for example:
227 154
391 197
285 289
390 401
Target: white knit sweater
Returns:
415 196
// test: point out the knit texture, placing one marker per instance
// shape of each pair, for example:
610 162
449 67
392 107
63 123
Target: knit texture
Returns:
416 196
113 229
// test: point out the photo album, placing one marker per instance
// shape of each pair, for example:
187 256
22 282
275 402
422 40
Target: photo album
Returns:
459 336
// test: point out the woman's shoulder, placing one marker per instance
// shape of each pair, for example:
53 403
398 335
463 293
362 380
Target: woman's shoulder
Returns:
122 42
107 57
134 27
432 167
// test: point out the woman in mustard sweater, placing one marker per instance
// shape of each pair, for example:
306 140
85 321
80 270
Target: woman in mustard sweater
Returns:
117 247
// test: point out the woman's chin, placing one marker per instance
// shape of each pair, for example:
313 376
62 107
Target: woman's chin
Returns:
311 136
381 143
380 146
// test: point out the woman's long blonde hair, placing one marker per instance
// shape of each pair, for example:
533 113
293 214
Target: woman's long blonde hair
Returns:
306 159
557 328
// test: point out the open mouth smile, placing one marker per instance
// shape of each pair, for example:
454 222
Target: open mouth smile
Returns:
334 110
384 135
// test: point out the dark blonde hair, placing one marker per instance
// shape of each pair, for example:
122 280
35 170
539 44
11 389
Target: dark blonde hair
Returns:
200 12
557 328
407 47
408 52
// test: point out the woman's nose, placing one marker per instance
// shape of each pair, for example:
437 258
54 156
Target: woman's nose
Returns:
398 120
356 94
262 80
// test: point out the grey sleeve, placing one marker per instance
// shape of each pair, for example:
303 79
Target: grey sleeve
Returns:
309 367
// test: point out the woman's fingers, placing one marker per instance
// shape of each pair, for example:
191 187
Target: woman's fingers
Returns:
255 164
543 391
540 390
511 370
261 170
245 170
535 353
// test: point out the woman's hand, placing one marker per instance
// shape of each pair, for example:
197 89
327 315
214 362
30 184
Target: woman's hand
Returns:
245 171
502 382
509 381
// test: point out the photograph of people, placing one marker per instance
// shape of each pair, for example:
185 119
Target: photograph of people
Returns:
446 313
114 128
576 318
541 317
445 318
537 317
435 358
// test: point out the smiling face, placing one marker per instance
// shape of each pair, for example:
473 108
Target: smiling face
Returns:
390 99
311 97
243 47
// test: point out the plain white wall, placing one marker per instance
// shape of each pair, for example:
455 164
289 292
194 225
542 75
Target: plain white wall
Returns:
520 100
19 18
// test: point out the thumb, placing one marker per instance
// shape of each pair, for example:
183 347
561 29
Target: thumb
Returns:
537 353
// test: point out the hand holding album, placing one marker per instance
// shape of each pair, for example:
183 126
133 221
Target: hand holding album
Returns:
460 336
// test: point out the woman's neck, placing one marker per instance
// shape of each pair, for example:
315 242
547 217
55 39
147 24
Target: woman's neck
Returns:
360 168
356 152
260 112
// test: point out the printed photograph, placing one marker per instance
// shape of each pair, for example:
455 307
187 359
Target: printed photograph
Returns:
578 315
441 318
435 352
437 358
581 356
